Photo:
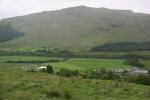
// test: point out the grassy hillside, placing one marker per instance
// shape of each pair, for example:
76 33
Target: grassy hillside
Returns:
21 85
78 28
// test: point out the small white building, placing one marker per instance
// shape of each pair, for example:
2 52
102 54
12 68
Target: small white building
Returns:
41 68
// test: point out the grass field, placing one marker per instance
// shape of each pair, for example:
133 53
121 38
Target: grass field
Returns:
73 63
26 66
22 85
18 84
97 63
87 64
24 58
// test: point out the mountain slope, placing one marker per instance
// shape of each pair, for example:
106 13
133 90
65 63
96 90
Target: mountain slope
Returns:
8 33
79 28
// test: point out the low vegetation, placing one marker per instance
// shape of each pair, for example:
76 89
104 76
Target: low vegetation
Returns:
17 84
72 78
68 73
105 74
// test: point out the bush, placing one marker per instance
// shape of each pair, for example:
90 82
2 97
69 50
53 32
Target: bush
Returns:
99 74
94 74
53 94
49 69
68 73
104 73
110 75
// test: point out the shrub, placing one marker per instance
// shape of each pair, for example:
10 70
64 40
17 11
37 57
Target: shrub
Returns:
99 74
68 73
49 69
94 74
110 75
31 70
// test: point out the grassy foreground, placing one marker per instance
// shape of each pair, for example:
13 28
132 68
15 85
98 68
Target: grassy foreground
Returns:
21 85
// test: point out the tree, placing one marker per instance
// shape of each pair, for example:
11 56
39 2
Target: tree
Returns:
49 69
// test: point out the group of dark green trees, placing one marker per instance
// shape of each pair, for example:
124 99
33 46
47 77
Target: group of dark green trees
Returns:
135 62
43 52
123 46
8 33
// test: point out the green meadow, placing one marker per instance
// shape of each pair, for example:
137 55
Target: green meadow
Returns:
91 63
16 83
72 63
22 85
24 58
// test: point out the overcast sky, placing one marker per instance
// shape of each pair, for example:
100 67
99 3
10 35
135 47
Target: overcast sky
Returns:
11 8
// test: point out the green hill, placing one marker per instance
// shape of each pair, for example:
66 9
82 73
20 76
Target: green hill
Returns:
8 33
78 28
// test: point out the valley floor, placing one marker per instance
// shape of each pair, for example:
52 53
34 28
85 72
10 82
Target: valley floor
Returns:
18 84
